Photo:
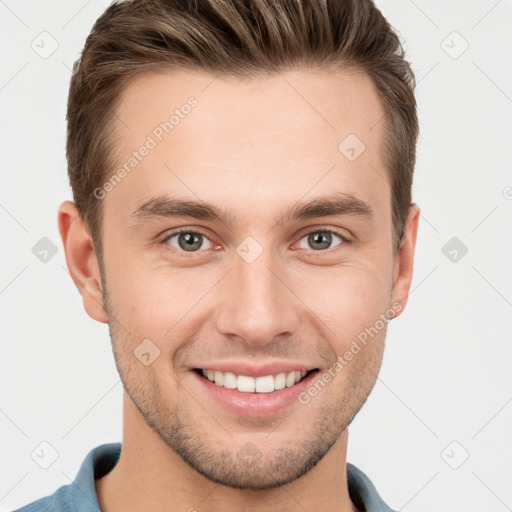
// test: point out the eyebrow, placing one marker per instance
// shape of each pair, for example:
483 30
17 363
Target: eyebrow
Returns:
339 204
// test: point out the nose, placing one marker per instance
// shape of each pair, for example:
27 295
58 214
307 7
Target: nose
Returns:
259 304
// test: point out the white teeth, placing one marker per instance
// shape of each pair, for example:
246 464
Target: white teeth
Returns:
280 381
290 379
246 384
230 380
219 378
265 384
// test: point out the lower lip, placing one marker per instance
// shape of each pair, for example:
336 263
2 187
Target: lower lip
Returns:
255 404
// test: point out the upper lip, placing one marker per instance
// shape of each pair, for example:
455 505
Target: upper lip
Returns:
255 370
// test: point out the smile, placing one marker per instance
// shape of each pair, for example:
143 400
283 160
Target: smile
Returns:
248 384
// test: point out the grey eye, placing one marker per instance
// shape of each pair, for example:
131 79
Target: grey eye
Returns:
319 240
188 241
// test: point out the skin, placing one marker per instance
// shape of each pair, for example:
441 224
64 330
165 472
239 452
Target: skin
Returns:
258 147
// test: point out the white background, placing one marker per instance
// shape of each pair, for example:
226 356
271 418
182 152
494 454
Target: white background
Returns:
446 371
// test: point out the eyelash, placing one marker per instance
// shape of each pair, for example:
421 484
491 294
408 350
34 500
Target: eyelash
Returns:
196 231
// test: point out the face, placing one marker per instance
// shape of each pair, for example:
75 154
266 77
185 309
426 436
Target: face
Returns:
247 242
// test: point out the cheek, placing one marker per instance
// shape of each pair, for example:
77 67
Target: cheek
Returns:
348 298
159 302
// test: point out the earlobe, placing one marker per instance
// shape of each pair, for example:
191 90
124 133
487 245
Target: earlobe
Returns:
81 260
404 266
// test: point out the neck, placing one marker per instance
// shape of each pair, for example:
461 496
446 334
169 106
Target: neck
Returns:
150 476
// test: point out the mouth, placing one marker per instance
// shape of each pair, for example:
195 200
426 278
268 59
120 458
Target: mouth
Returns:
265 384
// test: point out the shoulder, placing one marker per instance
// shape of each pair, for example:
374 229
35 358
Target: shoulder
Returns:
363 493
59 501
80 495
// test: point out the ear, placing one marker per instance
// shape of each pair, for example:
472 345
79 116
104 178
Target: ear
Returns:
81 260
404 265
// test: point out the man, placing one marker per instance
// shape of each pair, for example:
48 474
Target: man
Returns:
242 220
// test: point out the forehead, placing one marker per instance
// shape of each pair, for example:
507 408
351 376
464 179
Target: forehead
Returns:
255 141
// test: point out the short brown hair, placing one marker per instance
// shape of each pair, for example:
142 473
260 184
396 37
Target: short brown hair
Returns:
241 38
